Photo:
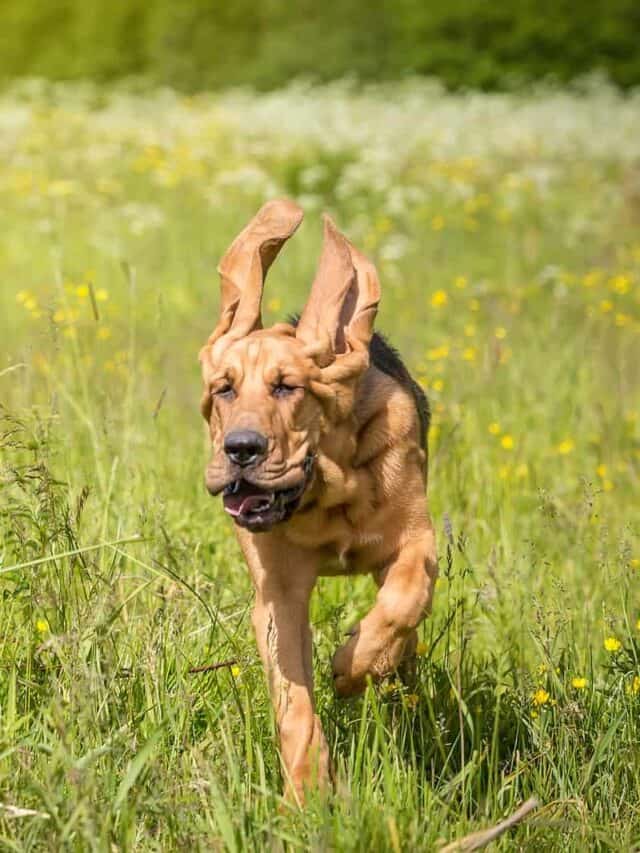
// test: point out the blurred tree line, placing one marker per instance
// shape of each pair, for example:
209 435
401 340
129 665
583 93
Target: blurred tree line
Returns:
200 44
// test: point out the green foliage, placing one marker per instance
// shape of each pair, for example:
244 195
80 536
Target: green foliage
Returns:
200 44
479 43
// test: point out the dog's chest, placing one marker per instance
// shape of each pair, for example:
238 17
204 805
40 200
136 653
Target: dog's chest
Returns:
357 558
345 548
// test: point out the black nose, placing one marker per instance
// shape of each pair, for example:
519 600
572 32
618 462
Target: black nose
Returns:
244 446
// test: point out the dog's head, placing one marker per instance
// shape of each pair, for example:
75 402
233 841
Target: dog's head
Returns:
271 395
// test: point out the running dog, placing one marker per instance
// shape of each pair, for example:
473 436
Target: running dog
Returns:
318 437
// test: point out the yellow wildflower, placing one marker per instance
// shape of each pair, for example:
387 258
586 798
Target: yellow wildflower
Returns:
507 442
59 316
437 385
22 296
104 333
522 471
500 333
437 223
469 354
439 298
235 671
461 281
579 682
474 305
504 471
601 471
421 649
634 562
612 644
101 295
438 353
42 626
634 688
469 330
565 446
606 305
495 428
30 304
540 697
82 291
620 284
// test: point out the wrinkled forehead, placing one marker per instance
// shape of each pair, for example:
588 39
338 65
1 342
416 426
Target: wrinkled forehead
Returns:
263 352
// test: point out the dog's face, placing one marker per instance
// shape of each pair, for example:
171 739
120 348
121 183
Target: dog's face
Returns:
265 423
271 394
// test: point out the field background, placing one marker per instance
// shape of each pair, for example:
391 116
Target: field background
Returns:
203 44
506 232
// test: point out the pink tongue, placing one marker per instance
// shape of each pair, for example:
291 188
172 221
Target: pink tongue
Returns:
241 504
255 502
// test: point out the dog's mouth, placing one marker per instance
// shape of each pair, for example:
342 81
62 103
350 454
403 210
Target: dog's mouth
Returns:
258 508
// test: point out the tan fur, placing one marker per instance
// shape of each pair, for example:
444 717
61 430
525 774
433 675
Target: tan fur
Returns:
363 510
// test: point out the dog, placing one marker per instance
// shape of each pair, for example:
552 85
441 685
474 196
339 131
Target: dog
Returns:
318 437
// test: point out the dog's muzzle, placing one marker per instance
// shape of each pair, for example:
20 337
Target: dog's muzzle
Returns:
258 508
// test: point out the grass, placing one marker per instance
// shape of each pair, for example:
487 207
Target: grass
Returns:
505 229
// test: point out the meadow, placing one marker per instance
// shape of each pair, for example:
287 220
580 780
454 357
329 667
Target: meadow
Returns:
506 232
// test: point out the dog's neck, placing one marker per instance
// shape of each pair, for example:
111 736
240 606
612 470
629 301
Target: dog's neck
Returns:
335 480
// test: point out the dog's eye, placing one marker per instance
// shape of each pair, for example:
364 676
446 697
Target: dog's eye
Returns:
225 391
283 390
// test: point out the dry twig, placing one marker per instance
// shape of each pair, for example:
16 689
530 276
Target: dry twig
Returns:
210 667
480 839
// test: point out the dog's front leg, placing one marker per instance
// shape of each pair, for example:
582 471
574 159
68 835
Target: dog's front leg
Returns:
387 635
284 578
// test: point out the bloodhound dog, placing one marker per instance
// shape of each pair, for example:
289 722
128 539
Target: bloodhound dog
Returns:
318 438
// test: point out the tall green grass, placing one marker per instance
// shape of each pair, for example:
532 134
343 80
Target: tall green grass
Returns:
505 231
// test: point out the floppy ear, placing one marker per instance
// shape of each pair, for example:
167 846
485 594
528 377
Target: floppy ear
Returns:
244 267
343 302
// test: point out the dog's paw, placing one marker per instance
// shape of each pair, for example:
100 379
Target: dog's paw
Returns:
369 654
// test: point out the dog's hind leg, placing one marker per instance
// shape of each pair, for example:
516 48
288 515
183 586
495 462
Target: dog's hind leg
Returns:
386 637
281 623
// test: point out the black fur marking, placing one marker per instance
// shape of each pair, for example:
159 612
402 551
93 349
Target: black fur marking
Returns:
387 359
